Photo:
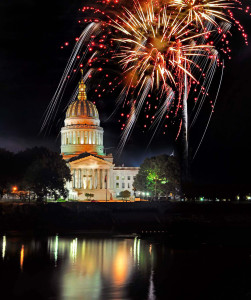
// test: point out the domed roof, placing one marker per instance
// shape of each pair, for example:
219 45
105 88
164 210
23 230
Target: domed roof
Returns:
85 109
81 107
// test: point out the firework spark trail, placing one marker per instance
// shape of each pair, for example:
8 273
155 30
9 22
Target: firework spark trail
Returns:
207 83
75 92
119 100
134 115
203 93
210 113
50 112
208 70
185 121
200 11
160 114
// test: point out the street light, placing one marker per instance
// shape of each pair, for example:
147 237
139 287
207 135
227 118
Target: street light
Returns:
14 189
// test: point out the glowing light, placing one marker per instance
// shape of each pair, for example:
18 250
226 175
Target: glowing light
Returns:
120 269
73 249
4 247
22 257
56 250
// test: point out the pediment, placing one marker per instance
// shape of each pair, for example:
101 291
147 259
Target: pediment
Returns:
91 162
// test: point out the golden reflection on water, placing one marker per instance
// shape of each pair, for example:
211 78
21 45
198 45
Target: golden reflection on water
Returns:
97 269
3 247
91 265
22 257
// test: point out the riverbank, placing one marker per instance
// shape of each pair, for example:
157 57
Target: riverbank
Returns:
183 219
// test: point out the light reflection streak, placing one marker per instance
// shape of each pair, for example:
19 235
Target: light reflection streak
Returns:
138 251
151 292
135 249
92 265
22 258
74 249
4 247
56 250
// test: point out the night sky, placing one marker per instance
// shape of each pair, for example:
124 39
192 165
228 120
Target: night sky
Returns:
31 62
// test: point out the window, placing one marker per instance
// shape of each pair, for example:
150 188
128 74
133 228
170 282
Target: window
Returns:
117 185
123 185
123 177
129 185
117 177
128 177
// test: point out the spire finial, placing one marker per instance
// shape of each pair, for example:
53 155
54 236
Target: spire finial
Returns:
82 88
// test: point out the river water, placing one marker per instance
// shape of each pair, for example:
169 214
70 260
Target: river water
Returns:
121 268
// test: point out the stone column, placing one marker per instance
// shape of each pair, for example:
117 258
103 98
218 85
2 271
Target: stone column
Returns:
84 178
98 178
108 178
91 179
76 178
80 176
73 178
112 179
105 175
101 178
95 178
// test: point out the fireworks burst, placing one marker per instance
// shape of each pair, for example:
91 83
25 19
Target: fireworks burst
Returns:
156 46
168 52
202 11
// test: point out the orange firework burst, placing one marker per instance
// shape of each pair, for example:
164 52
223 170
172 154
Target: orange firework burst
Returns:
201 11
159 46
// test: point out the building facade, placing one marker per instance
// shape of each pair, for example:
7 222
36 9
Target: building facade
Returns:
123 178
82 147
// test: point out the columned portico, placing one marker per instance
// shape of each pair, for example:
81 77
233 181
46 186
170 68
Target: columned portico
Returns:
91 174
83 150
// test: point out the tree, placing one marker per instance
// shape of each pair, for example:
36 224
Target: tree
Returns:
45 172
124 194
159 175
88 195
7 170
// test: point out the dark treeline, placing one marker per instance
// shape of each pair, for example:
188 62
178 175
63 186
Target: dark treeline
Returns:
37 171
232 192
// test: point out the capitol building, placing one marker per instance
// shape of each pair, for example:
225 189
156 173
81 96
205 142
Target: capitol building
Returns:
82 148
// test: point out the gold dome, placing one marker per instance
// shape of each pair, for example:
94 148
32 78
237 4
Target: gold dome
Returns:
81 107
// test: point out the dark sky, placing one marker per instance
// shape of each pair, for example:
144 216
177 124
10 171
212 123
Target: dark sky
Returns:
31 63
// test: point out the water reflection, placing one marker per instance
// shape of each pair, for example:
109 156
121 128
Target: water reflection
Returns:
120 269
3 247
22 258
98 269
